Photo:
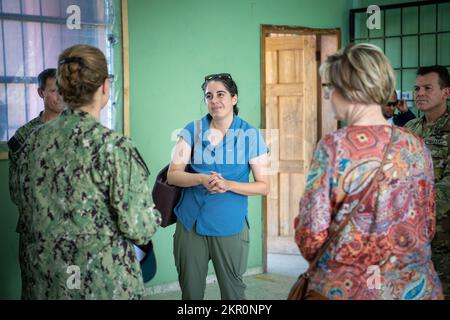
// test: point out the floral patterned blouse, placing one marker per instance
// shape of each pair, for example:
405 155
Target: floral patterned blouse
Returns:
384 252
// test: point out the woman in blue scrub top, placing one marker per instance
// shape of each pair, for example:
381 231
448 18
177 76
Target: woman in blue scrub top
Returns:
218 151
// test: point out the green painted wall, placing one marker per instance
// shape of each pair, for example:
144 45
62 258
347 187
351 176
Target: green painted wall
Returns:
173 44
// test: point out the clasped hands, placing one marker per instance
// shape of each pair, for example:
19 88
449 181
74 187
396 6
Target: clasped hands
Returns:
215 183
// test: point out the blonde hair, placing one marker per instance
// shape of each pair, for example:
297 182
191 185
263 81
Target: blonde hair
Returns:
82 69
361 73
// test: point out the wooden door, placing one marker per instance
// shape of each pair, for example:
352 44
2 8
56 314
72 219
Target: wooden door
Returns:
291 108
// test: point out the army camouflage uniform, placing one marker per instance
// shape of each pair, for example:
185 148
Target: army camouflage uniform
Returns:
83 198
437 138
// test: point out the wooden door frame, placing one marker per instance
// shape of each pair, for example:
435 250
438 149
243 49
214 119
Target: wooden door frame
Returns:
266 30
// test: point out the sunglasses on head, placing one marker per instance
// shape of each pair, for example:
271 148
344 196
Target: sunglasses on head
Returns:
218 76
392 104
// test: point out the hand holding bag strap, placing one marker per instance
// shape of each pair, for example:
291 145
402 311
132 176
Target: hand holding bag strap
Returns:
333 236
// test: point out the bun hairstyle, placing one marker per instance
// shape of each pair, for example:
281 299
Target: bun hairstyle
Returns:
82 69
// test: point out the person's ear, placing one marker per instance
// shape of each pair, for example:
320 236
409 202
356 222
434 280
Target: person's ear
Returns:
40 93
234 100
446 92
105 87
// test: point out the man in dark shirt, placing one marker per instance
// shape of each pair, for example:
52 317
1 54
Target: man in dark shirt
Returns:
401 118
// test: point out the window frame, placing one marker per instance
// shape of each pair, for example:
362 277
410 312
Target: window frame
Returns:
123 114
402 35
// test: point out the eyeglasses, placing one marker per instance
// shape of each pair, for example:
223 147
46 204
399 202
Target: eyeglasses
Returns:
392 104
218 76
110 77
327 90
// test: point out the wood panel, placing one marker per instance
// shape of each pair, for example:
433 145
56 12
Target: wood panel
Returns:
283 43
290 64
280 78
290 89
290 71
292 166
329 44
272 206
310 99
285 208
271 67
291 187
296 187
291 128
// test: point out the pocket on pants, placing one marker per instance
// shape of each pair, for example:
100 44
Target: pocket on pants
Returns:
244 235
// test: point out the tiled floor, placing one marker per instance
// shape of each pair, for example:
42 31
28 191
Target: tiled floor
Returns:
283 269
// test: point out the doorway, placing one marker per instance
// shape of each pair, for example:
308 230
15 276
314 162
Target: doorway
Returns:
295 118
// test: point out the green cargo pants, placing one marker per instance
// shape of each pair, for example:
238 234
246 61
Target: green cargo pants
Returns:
229 255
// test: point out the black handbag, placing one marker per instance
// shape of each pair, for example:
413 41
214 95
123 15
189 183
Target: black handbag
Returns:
166 196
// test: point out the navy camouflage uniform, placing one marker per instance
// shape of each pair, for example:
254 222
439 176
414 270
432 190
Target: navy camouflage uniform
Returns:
15 143
83 198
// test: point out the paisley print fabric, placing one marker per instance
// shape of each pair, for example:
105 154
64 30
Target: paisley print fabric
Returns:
384 252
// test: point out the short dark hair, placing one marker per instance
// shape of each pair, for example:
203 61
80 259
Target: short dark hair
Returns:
228 82
444 77
394 93
44 75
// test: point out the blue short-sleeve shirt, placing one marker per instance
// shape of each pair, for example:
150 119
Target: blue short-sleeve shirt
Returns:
220 214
